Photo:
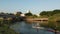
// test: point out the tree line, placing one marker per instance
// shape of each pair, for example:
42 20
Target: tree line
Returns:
44 13
49 13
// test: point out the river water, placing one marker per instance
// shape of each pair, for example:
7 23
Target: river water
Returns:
26 28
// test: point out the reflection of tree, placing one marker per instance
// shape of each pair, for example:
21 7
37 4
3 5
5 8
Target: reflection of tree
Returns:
54 22
51 25
44 25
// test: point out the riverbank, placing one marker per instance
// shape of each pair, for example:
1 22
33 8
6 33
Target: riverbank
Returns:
5 28
39 20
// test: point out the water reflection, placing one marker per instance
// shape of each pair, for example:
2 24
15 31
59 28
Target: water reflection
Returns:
26 28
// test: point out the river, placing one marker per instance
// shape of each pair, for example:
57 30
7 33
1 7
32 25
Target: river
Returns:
26 28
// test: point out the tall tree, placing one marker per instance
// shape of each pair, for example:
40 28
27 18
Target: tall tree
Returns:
28 14
18 13
56 11
43 13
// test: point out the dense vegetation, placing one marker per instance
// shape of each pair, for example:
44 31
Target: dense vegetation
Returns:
49 13
5 27
54 19
5 23
28 14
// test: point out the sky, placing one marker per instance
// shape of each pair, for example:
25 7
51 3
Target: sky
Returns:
35 6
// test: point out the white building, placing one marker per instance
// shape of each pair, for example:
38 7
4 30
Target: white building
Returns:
23 15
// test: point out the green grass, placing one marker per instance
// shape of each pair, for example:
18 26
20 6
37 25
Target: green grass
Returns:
4 29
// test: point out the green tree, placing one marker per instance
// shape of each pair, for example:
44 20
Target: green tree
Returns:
35 15
43 13
46 13
54 22
29 13
56 11
18 13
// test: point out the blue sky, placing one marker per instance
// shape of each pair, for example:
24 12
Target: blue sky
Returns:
35 6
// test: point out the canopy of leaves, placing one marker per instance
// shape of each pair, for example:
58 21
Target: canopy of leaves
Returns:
18 13
28 14
4 29
54 18
49 13
54 21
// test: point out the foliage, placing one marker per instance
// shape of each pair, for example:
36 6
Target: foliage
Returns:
44 25
49 13
54 21
18 14
54 18
28 14
46 13
35 16
51 25
4 27
56 11
6 30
